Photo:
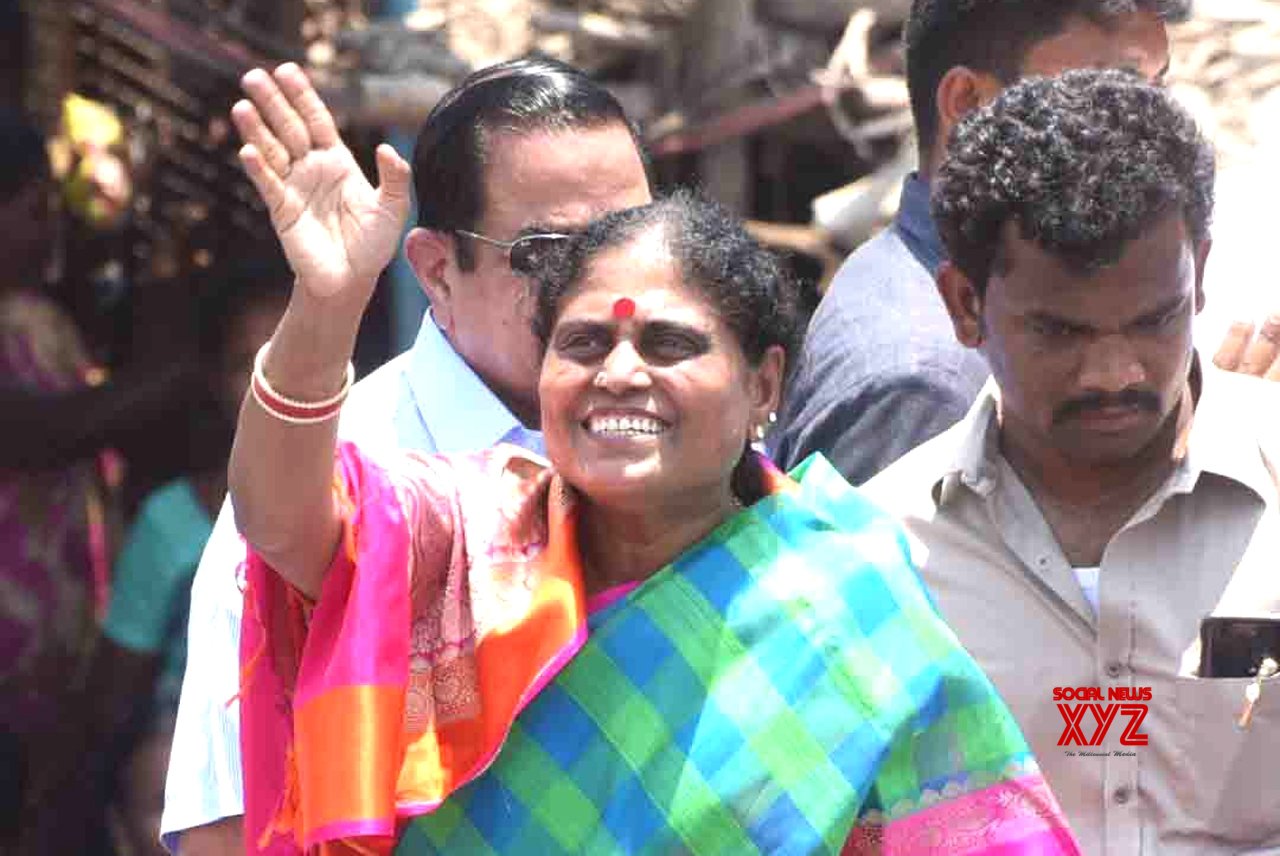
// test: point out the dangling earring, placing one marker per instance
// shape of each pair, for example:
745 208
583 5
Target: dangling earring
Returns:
761 430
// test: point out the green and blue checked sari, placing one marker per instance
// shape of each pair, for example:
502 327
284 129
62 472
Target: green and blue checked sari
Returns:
784 687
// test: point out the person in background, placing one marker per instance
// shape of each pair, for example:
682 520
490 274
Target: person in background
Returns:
57 509
516 157
881 371
1110 488
140 661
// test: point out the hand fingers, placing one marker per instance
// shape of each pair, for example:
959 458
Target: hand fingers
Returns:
279 115
265 179
254 132
306 101
1231 352
1264 352
393 180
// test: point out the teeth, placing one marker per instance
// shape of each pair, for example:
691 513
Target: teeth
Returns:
627 426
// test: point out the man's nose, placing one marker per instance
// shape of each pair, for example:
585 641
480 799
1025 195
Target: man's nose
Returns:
1111 364
624 368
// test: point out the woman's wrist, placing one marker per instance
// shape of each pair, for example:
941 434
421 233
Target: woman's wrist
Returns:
311 349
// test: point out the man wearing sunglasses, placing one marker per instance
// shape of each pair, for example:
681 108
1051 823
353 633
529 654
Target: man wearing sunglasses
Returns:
515 159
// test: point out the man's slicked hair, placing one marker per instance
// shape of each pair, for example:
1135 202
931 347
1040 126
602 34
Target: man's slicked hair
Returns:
516 97
993 36
1082 163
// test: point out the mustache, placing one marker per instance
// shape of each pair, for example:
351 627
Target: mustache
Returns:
1133 398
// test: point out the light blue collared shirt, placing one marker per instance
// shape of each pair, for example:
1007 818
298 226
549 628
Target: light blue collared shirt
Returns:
435 403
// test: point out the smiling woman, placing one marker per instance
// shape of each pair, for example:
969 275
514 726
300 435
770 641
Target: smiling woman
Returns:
654 642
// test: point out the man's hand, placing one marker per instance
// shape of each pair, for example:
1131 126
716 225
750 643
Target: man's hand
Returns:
337 231
1243 352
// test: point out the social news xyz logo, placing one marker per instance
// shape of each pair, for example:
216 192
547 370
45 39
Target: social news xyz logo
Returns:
1121 703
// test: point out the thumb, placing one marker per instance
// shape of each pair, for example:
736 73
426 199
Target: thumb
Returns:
393 181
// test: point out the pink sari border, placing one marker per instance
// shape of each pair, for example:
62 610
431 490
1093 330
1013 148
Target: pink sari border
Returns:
549 672
352 829
1017 817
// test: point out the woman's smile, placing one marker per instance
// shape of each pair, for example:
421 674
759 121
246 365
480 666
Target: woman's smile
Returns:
612 425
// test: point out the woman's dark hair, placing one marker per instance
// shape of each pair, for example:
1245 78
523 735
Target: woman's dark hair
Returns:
518 97
22 153
746 283
1083 163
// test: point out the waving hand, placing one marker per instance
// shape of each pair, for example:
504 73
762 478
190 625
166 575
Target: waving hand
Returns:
337 231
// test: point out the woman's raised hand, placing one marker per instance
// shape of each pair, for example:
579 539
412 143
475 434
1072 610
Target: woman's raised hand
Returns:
337 231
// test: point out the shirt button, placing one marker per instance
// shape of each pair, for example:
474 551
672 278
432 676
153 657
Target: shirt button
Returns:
1121 795
1114 670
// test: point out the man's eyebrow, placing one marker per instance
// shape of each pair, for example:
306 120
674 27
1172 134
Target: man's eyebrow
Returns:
1042 316
1166 308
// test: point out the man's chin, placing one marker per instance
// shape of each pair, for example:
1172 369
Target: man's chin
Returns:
1105 448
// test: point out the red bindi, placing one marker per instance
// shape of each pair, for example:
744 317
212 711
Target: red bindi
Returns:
623 308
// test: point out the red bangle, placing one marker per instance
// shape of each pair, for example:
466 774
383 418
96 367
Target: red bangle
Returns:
289 410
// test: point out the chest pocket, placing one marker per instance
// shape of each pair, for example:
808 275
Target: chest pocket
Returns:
1232 787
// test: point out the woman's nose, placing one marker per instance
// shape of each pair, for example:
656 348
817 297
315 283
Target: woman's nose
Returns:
623 369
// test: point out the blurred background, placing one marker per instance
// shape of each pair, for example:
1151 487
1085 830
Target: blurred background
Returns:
794 113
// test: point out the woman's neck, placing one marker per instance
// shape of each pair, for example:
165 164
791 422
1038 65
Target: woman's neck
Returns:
630 545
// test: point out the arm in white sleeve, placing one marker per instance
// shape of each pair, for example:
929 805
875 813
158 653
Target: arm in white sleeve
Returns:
204 781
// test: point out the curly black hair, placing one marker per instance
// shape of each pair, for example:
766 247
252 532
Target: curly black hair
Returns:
1084 163
993 36
746 283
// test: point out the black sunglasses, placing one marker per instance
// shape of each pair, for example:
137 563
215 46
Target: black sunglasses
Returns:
528 253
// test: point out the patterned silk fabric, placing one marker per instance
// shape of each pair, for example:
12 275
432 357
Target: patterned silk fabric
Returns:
785 686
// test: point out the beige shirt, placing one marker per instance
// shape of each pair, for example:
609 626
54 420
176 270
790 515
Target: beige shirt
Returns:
1208 542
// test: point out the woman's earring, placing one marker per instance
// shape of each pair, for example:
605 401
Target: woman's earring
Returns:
762 430
600 379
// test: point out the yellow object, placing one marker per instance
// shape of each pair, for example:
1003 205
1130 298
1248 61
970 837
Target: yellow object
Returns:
95 180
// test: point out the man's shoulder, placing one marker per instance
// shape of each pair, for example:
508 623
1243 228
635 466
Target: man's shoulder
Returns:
881 316
874 270
906 488
381 386
370 409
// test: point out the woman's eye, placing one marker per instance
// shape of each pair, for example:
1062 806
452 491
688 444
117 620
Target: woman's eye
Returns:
672 347
583 345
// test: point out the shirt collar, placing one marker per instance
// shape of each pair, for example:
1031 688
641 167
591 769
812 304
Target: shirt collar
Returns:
1225 435
974 462
915 224
1222 440
459 411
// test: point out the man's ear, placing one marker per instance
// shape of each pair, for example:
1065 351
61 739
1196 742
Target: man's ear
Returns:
963 303
961 91
432 257
1202 258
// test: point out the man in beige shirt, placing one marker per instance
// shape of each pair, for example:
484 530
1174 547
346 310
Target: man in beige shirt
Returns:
1108 489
